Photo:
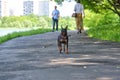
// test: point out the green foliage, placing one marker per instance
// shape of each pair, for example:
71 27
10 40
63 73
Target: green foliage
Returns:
94 20
67 21
100 6
32 21
45 22
105 27
24 21
59 1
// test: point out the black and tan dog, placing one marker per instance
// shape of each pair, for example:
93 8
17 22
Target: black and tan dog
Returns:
63 40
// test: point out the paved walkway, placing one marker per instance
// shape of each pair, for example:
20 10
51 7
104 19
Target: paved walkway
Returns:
36 58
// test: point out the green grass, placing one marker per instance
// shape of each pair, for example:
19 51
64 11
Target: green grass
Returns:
20 34
106 32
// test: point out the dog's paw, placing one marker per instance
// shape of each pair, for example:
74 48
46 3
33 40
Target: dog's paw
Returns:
60 50
66 51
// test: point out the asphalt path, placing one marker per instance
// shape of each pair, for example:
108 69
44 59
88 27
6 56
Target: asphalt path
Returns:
36 57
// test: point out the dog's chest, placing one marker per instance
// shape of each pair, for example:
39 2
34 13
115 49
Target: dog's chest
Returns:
63 37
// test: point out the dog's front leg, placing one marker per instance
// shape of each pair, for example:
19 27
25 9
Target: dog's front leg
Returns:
66 48
59 46
67 45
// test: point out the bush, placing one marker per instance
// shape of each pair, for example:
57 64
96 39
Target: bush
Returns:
94 20
34 21
67 21
103 26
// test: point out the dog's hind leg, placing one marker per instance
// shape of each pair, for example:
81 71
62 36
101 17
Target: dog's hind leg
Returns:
67 46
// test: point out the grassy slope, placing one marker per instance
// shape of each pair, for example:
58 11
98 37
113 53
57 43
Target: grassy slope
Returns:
22 33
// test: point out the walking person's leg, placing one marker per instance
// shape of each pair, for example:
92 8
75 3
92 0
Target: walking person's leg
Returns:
53 24
80 23
77 23
56 24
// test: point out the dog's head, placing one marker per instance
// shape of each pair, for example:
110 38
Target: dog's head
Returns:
64 31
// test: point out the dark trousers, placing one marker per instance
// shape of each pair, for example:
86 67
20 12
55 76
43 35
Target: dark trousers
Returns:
55 23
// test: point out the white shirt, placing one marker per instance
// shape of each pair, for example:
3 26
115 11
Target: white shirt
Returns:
55 14
79 8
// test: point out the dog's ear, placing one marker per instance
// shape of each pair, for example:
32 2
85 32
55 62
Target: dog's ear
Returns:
66 26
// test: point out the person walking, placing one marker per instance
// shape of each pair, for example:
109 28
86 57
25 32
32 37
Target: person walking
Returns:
79 10
55 18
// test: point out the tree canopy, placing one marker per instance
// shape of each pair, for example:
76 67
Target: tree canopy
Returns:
100 5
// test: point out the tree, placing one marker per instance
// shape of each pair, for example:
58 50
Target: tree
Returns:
100 5
115 6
